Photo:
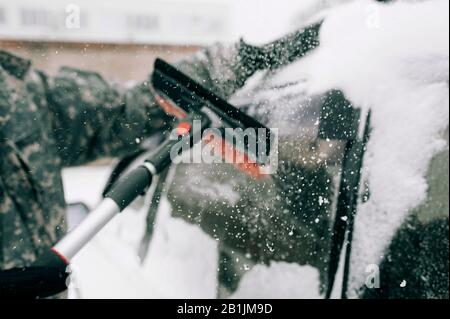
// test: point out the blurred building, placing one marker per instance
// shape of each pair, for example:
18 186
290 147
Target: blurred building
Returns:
118 38
121 38
116 21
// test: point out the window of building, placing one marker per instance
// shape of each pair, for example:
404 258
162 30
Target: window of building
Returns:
34 17
2 16
143 22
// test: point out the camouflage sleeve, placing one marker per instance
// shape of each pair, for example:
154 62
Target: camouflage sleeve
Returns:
92 118
222 68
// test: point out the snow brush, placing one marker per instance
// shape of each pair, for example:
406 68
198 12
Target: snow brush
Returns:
179 95
191 104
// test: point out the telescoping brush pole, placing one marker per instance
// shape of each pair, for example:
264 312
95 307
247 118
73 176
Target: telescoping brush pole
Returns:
128 188
121 195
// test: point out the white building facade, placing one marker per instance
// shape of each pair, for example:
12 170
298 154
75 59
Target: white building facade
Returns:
117 21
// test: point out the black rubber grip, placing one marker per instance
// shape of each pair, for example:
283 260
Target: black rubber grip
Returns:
132 185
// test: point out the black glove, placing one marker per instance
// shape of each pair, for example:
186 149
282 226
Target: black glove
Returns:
46 278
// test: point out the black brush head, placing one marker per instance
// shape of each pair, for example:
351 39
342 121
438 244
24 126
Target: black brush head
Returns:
190 96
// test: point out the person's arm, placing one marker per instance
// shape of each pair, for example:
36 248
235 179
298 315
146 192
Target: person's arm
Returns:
221 68
90 118
93 119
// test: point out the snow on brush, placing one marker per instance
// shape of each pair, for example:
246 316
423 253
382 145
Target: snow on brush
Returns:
393 59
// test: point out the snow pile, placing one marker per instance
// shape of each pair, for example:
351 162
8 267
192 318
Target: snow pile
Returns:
261 21
393 59
182 261
279 281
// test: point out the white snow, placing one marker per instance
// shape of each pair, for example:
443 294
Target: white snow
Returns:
263 21
392 59
403 284
85 184
279 281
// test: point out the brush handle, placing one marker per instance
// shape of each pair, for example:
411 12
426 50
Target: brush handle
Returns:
116 200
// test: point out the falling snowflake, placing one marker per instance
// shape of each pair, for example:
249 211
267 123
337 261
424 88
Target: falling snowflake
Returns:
323 200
